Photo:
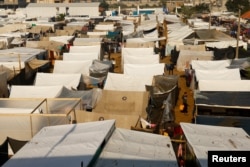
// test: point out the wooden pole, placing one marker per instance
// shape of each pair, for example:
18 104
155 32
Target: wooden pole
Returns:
19 61
238 35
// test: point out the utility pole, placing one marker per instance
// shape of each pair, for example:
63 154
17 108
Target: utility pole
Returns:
238 35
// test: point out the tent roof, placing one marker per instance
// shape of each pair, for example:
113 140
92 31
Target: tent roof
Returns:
224 99
133 148
124 82
63 5
204 138
64 145
76 144
246 15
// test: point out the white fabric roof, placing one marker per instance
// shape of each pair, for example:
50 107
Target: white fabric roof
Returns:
223 74
72 67
124 82
80 56
35 91
87 41
85 49
186 56
204 138
10 57
141 40
63 145
137 51
133 148
141 59
224 85
62 39
96 33
17 110
144 69
105 27
177 32
52 79
210 64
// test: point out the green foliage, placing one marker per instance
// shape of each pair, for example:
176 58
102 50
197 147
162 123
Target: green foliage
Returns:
235 5
187 11
104 5
60 17
201 8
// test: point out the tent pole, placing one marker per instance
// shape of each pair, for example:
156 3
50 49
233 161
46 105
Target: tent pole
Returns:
238 34
19 61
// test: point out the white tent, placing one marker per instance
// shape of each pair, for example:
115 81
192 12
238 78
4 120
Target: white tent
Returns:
22 118
210 64
16 58
137 51
223 74
144 69
204 138
53 79
85 49
132 148
81 144
224 85
65 145
124 82
87 41
80 56
176 34
141 59
186 56
104 27
72 67
35 91
62 39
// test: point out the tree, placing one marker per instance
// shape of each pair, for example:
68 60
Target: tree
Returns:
201 8
104 5
235 5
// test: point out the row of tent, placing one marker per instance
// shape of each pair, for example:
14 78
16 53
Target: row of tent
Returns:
128 99
103 144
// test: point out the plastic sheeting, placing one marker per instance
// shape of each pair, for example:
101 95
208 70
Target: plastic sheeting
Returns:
52 79
223 99
133 148
224 85
226 44
144 69
80 56
186 56
72 67
223 74
17 57
124 82
210 64
203 138
65 145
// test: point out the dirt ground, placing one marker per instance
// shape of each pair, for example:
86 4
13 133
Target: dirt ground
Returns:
179 116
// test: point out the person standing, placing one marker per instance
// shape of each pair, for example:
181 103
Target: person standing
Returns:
185 103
